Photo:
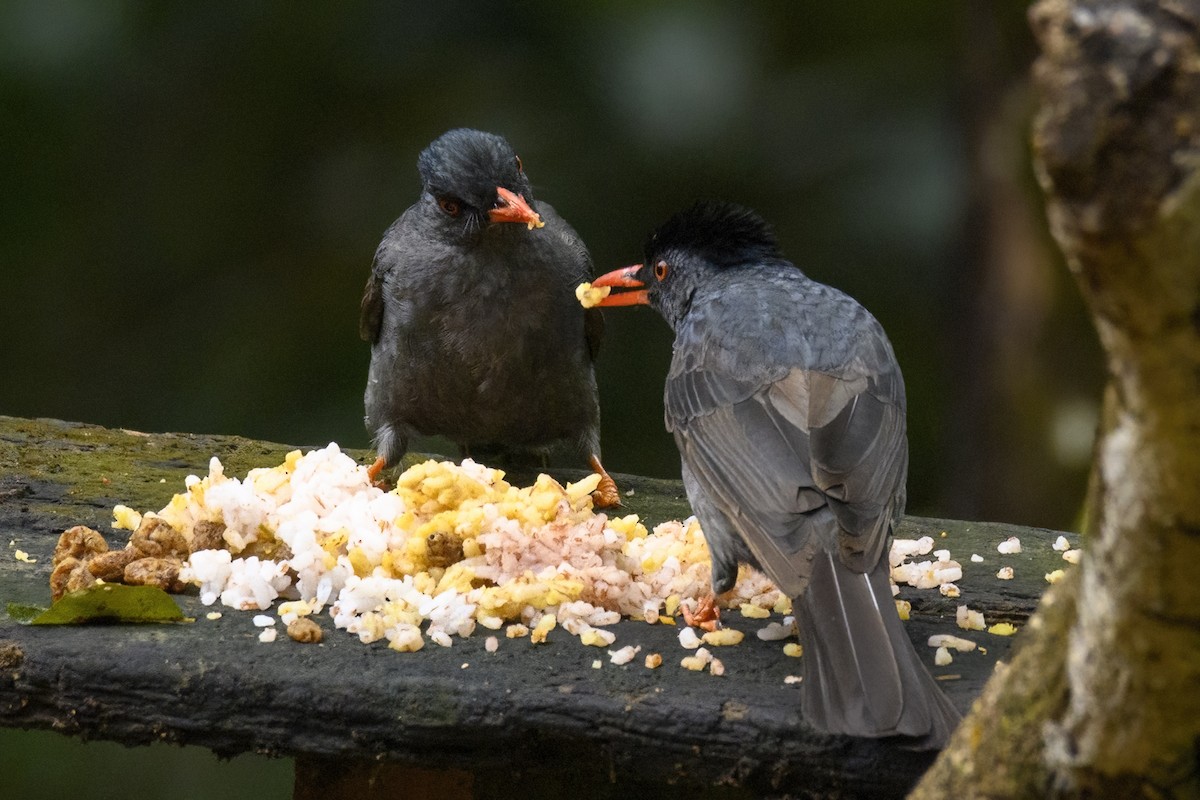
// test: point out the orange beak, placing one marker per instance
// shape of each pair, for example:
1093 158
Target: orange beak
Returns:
513 208
623 278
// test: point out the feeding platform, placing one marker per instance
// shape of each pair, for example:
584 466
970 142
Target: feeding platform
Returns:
364 721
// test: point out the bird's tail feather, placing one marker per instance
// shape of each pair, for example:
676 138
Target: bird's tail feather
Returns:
862 676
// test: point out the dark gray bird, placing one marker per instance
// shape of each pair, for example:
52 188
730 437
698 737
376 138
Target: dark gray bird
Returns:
470 311
787 405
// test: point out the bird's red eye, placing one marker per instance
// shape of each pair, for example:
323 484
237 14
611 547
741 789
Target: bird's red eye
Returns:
519 167
660 270
450 206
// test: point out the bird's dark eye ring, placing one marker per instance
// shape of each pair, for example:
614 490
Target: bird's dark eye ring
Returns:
520 168
450 206
660 270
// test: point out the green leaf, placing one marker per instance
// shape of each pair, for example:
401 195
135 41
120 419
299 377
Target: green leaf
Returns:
109 602
23 613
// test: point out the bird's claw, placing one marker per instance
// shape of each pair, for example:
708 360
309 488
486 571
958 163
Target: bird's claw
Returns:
373 474
606 494
706 615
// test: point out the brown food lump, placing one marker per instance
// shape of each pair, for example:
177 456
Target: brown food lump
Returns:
70 575
160 572
305 631
80 542
208 535
110 566
155 537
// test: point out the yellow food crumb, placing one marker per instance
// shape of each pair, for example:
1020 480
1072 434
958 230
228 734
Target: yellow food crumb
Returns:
516 631
590 296
904 609
723 637
793 649
1055 576
21 555
546 624
597 638
213 615
653 661
125 518
754 612
1002 629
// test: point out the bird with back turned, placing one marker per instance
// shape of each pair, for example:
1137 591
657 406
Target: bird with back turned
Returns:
787 405
469 309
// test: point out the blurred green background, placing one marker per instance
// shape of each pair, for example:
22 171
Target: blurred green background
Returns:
192 194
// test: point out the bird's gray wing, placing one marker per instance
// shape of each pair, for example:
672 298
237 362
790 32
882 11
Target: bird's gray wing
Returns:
370 317
579 269
812 460
387 258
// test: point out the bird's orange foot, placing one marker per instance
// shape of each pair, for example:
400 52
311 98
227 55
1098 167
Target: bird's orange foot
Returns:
706 615
606 494
373 474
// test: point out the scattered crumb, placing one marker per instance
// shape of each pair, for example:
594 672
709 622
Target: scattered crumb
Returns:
516 631
1072 556
267 635
791 679
624 655
21 555
954 642
305 631
597 664
698 661
942 657
904 609
689 639
774 632
793 649
1005 573
546 624
1010 546
723 637
1061 544
754 612
1055 576
976 558
213 615
653 661
716 667
263 620
491 644
969 620
949 590
1003 629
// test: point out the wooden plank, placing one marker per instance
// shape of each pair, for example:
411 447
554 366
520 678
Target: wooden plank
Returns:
542 715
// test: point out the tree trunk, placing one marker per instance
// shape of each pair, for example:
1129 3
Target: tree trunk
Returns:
1117 146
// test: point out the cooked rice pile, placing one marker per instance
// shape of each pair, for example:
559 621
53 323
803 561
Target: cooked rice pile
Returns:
451 547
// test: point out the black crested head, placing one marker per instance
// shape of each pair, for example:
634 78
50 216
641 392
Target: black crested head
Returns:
468 163
724 234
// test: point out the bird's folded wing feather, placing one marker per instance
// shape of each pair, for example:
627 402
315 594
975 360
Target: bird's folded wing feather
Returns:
387 258
578 269
814 460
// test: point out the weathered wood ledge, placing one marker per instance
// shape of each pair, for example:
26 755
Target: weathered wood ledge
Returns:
472 722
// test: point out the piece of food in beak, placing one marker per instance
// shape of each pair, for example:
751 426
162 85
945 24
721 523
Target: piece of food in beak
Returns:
589 296
623 278
513 208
